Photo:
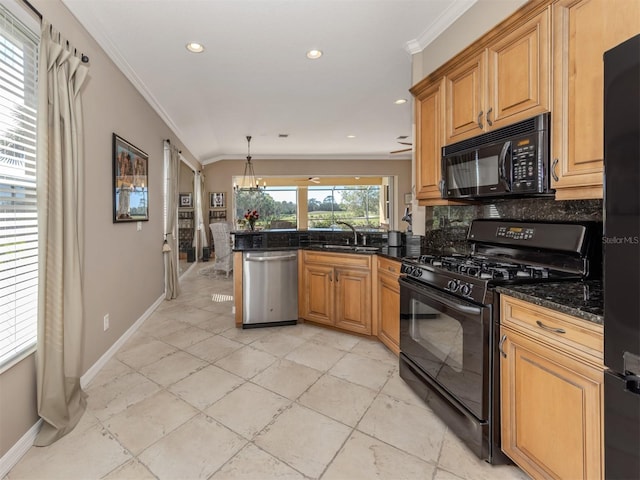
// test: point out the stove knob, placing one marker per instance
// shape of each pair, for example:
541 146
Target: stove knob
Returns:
452 285
465 289
417 272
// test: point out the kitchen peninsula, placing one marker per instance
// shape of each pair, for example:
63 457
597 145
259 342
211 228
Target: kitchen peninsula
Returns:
340 285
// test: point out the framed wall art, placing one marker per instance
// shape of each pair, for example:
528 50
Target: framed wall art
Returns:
185 200
216 200
130 182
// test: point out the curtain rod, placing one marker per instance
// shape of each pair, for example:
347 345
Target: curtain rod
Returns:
83 57
168 140
33 9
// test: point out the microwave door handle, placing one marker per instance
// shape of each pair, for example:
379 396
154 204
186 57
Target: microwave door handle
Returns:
502 169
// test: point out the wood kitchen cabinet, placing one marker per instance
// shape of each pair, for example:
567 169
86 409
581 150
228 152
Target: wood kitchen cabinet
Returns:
387 303
505 82
582 31
429 117
551 392
336 290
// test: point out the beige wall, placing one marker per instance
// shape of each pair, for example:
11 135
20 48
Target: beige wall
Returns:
123 269
185 185
219 174
478 20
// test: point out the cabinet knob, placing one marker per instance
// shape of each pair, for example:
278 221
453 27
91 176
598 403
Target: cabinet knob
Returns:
554 175
480 120
489 122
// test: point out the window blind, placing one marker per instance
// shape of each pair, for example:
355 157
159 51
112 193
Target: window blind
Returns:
18 209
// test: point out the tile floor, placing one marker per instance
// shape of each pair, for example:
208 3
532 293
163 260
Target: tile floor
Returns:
190 396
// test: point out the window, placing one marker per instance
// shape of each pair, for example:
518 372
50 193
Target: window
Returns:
18 212
277 206
315 206
358 205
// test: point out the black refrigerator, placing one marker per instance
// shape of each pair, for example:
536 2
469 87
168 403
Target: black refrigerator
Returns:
622 260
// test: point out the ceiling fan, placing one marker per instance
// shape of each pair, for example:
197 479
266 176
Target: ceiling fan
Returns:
402 150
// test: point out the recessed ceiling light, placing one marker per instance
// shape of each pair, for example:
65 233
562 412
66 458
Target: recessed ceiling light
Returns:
400 101
195 47
351 136
314 54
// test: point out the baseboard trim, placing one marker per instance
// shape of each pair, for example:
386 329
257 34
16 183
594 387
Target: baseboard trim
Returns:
19 449
22 446
102 361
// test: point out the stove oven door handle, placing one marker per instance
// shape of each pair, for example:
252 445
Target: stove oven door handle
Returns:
468 309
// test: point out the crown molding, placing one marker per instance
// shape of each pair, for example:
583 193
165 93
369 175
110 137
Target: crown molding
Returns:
94 28
456 9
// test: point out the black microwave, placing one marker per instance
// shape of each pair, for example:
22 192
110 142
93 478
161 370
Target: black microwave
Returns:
512 160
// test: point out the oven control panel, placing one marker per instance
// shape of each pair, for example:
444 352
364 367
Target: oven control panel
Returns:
515 233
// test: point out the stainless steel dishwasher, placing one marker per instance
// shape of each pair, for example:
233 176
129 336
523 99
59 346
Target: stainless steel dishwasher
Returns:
269 288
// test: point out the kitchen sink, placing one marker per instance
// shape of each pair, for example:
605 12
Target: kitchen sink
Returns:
351 248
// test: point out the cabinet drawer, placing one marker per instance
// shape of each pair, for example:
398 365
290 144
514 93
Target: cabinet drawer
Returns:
574 335
388 266
341 259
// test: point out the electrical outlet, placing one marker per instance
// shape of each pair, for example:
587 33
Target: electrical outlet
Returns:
106 322
139 226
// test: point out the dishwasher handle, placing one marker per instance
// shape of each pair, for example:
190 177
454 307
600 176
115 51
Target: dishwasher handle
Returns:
271 259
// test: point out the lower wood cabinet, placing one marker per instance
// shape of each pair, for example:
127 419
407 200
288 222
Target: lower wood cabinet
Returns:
551 392
387 303
335 289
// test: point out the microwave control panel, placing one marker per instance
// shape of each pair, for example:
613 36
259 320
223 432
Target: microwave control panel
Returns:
524 165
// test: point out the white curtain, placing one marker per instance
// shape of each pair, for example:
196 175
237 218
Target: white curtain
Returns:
201 211
60 180
172 172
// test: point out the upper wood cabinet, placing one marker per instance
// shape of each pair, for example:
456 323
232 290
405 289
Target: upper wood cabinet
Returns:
507 81
465 86
429 115
582 31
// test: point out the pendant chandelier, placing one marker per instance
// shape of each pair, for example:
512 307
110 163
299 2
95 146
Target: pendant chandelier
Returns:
249 182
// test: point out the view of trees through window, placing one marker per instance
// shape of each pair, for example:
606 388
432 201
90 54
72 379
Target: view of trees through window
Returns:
275 204
358 205
326 205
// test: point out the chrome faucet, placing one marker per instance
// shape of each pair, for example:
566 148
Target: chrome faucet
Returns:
355 234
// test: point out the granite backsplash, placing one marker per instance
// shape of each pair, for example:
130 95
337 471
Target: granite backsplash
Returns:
446 226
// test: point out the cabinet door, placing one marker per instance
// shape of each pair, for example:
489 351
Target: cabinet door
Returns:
519 73
429 111
353 300
551 407
583 31
318 293
389 310
464 87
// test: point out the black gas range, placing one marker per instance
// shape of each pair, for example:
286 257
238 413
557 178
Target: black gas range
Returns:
449 311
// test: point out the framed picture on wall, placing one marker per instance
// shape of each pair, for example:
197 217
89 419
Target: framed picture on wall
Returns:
130 182
219 214
185 200
216 200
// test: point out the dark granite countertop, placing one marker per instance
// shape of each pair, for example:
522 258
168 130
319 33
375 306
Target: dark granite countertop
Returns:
582 299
